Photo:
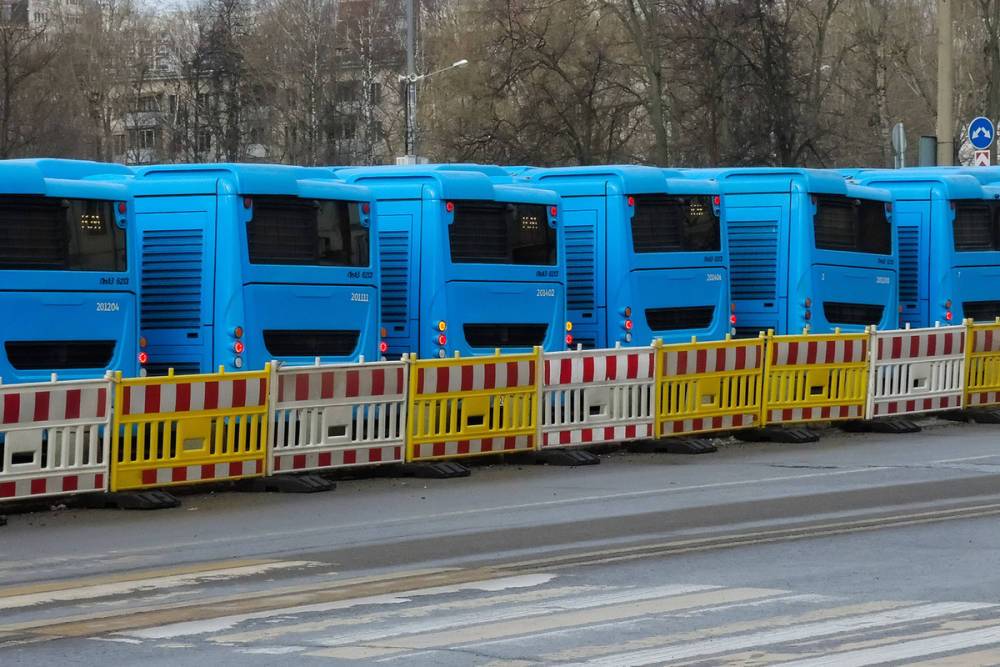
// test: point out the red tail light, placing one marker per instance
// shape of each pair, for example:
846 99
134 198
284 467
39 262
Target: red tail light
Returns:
143 357
442 339
569 339
238 347
383 347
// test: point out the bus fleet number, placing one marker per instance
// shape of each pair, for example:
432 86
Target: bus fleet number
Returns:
107 306
545 292
359 296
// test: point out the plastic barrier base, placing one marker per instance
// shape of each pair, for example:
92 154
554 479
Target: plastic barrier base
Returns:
778 434
566 457
433 470
977 415
287 484
887 426
150 499
675 446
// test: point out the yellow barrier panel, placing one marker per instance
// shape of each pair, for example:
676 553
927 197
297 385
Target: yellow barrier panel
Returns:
982 367
815 377
469 406
709 386
188 429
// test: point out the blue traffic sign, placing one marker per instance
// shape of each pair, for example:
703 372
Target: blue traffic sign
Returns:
981 133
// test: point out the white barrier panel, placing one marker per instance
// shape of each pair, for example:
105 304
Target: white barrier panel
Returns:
55 438
595 396
337 416
916 370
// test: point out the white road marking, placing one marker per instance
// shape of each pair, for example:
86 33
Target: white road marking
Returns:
152 583
226 622
793 633
906 650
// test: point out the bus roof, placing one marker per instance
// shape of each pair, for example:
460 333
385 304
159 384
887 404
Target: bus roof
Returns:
592 180
51 177
767 180
243 179
482 182
907 184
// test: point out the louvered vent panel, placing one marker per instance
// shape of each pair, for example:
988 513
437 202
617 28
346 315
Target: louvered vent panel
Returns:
580 267
395 259
753 248
909 248
171 279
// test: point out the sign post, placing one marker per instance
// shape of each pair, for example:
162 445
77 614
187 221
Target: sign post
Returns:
981 134
899 145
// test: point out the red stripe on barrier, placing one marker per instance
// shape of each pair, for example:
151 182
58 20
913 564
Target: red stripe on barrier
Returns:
609 433
326 385
350 457
239 393
490 376
235 469
11 408
466 378
611 368
375 455
378 382
302 387
420 380
70 483
914 351
812 352
741 358
897 347
102 402
299 461
565 371
633 366
948 345
353 384
211 395
437 449
179 474
7 489
42 406
700 361
588 369
399 381
682 363
73 398
510 443
442 380
99 481
587 435
463 447
932 343
512 374
207 471
37 486
182 398
151 405
325 459
149 476
127 401
565 437
630 431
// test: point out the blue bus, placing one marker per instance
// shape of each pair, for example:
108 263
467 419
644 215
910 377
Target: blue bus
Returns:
646 254
807 249
242 264
470 262
67 271
949 247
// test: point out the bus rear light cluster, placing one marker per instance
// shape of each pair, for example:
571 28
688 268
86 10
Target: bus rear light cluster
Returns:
732 313
143 357
569 339
383 346
238 346
947 311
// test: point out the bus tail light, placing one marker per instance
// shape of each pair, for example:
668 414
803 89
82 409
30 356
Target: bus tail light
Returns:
808 315
732 318
631 200
716 200
247 202
383 347
554 211
628 325
627 311
569 339
947 316
450 206
237 332
366 208
143 357
442 339
808 302
122 207
239 347
442 326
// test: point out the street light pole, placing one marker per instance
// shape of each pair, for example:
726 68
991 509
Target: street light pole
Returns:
945 86
411 81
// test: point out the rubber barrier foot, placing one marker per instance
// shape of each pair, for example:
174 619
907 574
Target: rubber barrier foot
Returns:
674 446
434 470
790 435
566 457
889 426
151 499
287 484
984 415
3 520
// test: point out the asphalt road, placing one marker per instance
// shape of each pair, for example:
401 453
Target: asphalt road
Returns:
857 550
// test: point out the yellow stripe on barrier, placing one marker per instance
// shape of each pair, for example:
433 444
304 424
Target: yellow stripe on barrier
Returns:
709 386
469 406
188 429
982 367
815 377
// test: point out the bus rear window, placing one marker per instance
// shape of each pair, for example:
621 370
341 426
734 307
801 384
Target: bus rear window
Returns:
675 224
975 227
55 234
306 232
485 232
853 225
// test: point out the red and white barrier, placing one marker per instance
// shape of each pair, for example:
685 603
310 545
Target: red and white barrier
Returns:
337 416
194 396
916 370
55 438
597 396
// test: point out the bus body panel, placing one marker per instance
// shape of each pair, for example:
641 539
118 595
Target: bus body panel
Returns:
197 218
780 279
607 277
424 290
77 323
101 325
933 274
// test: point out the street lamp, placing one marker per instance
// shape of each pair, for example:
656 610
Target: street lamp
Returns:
411 80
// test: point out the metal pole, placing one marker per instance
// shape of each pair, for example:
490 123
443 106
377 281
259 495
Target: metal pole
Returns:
411 81
945 86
